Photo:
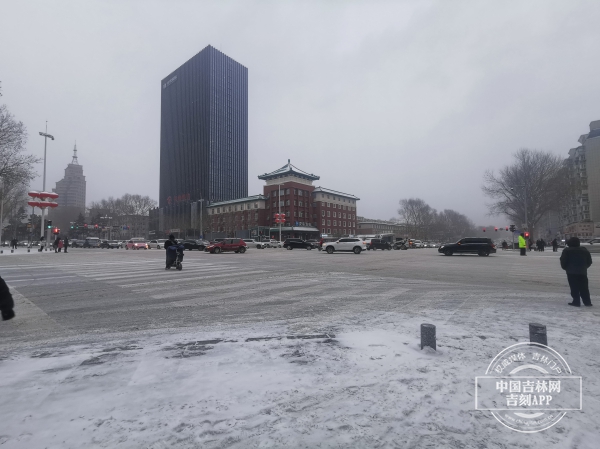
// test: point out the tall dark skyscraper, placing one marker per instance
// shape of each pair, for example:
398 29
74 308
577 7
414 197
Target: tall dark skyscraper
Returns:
203 132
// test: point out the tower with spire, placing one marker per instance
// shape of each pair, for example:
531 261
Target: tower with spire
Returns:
71 189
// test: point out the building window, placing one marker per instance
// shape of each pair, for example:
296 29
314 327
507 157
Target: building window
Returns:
287 202
218 210
301 214
295 203
255 205
344 225
301 204
328 230
334 215
322 213
295 191
274 205
256 215
328 222
287 191
329 213
335 222
323 221
344 216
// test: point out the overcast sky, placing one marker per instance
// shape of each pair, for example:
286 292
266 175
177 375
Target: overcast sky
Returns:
383 99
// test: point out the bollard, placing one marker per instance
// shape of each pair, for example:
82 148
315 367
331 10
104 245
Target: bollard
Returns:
12 251
428 336
537 334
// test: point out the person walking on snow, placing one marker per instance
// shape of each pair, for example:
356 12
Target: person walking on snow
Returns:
66 243
60 245
555 245
575 260
522 244
171 255
6 301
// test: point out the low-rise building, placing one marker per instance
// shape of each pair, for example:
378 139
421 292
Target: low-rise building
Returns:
368 226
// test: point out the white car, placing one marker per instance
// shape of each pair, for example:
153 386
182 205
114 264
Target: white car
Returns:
349 244
157 244
275 243
251 243
418 244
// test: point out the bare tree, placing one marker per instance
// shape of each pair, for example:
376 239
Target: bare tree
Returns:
452 225
15 167
418 216
536 178
126 205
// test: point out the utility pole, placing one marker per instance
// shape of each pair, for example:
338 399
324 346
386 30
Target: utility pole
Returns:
279 203
46 137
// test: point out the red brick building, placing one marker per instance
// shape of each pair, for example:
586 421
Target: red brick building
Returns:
310 211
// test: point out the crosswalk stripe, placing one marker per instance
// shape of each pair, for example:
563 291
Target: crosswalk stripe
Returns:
153 268
245 285
181 279
147 273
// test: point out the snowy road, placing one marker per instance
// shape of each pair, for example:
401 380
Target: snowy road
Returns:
109 350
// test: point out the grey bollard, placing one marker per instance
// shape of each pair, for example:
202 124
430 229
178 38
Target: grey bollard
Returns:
537 334
428 336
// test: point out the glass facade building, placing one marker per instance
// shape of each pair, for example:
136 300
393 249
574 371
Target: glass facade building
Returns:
203 132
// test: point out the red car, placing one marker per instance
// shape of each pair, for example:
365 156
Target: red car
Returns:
235 245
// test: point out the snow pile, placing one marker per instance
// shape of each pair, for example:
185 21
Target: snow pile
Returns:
367 386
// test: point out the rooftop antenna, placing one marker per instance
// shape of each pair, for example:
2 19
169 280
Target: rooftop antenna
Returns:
75 161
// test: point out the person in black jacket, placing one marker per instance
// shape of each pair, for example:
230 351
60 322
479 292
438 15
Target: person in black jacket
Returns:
171 255
6 301
66 243
575 260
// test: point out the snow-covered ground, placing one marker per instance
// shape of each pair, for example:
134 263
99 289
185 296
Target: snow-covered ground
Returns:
364 383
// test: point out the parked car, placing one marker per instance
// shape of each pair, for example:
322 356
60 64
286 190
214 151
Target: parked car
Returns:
190 245
469 245
227 245
275 243
136 243
91 242
351 244
379 244
314 243
434 245
110 244
417 244
157 244
251 243
296 243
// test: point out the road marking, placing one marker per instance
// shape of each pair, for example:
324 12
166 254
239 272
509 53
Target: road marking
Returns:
39 279
237 274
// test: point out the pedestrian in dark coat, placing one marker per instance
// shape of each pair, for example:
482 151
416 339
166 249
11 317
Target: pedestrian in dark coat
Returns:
66 243
543 244
575 260
171 255
6 301
555 245
55 244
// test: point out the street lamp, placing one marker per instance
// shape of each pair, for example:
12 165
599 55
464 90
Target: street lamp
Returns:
201 230
46 136
524 186
109 226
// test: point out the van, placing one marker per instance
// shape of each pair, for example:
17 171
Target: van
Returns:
91 242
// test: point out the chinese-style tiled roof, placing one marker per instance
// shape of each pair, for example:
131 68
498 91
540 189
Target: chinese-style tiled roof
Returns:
238 200
335 192
289 169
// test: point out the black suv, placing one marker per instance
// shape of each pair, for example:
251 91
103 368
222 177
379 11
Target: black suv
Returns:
379 244
469 245
297 243
194 244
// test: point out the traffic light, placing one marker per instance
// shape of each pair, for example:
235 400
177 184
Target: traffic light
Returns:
49 224
526 235
85 225
495 229
513 228
72 225
507 228
95 226
56 231
483 229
